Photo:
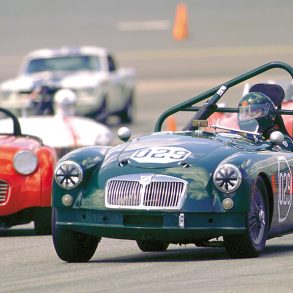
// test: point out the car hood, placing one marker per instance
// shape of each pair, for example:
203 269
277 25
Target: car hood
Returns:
160 153
10 145
74 80
169 150
62 131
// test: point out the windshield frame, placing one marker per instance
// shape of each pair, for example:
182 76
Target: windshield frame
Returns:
213 95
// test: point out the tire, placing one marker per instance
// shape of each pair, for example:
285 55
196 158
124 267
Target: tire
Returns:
41 228
42 221
152 245
252 242
73 246
126 116
102 115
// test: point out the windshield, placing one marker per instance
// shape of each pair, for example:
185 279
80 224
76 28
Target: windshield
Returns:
64 63
225 126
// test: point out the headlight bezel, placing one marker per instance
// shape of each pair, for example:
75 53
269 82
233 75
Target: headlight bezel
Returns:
21 160
5 94
225 175
86 91
62 174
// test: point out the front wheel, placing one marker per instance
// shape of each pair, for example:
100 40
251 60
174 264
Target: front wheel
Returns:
152 245
72 246
252 242
127 114
102 115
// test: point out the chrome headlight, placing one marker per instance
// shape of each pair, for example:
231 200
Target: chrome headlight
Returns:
25 162
5 94
89 91
227 178
68 174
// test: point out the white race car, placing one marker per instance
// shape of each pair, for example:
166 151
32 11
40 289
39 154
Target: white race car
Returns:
101 88
63 131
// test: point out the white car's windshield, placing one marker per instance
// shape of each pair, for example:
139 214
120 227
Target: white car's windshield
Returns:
64 63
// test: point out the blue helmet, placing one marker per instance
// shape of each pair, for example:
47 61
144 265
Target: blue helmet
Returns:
256 109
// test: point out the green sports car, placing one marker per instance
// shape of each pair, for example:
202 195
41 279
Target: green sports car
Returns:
207 185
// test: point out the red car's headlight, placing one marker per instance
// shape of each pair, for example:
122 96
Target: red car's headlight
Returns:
25 162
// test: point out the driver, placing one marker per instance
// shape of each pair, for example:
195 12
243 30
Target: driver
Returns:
65 100
42 100
257 109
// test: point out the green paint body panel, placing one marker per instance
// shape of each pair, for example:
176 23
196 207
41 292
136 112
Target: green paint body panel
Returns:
203 152
156 226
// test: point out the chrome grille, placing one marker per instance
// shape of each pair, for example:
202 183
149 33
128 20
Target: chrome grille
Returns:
123 193
145 191
4 188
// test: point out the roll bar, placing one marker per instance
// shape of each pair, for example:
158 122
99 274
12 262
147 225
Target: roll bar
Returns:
16 124
216 93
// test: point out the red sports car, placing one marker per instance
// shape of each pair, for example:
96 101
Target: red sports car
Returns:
26 168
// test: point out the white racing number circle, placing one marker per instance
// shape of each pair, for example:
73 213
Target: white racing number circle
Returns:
162 155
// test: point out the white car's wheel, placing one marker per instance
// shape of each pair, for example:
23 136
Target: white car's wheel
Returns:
102 114
127 115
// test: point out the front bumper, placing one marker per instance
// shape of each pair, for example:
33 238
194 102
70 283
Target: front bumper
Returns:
21 104
162 226
22 193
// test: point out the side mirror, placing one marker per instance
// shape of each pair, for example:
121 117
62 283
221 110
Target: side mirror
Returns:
277 138
124 133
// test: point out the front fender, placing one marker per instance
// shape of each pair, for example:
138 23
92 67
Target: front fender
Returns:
251 165
90 160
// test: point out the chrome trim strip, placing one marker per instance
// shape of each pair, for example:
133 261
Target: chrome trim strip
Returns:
4 192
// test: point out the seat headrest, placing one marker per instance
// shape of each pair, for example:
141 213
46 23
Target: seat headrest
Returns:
273 91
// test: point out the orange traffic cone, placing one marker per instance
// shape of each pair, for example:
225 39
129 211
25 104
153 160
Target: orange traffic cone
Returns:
180 29
171 123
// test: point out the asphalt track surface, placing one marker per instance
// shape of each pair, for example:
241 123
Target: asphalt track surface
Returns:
226 38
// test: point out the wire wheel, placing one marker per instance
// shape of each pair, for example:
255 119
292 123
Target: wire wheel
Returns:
256 218
252 242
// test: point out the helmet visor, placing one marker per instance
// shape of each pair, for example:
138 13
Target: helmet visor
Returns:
249 112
